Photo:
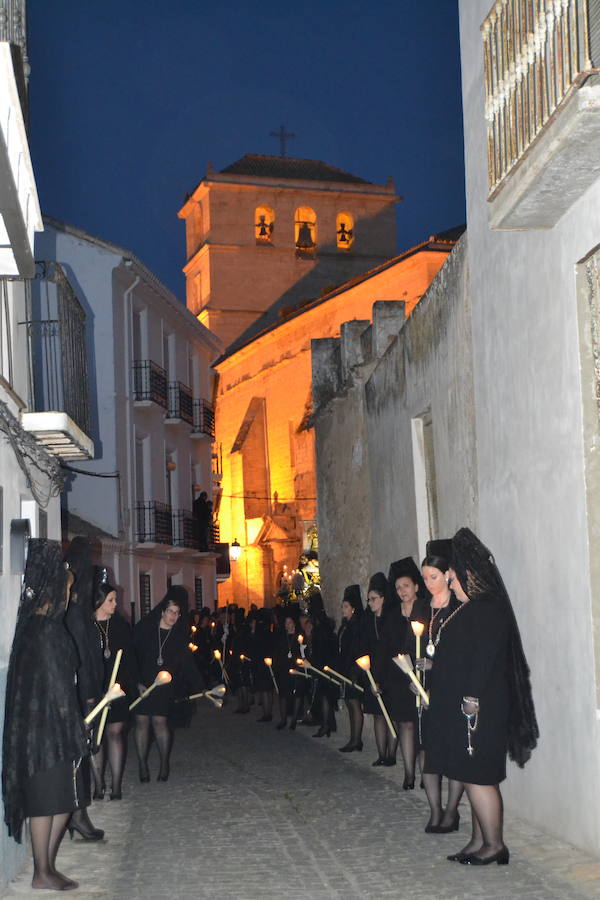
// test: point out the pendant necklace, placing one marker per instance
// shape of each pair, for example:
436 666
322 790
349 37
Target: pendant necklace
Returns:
161 644
104 632
431 646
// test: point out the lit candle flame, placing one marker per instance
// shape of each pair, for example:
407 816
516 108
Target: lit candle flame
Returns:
300 638
268 661
194 629
217 654
364 662
163 677
418 628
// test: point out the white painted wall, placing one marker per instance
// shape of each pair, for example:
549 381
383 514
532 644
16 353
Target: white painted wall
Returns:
530 466
110 283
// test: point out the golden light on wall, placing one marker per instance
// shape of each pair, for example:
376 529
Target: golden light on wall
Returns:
344 230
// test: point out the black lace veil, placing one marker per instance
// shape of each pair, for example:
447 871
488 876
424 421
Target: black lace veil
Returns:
44 583
480 579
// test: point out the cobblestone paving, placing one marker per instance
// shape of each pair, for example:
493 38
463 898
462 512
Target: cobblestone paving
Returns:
250 812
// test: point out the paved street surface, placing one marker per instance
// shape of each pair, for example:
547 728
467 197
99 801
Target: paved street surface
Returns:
251 812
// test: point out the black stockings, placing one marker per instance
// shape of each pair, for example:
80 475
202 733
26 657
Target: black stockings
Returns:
386 744
46 834
162 736
433 789
243 699
355 714
488 814
116 745
408 748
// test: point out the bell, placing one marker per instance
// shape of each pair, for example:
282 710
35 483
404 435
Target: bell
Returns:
263 228
305 240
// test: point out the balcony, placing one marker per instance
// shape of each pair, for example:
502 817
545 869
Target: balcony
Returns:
180 408
204 419
154 523
149 383
60 418
542 107
185 530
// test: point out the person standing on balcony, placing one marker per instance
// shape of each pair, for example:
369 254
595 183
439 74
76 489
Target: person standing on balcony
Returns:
161 644
202 509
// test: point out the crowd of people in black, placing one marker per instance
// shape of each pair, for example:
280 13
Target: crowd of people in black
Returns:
451 621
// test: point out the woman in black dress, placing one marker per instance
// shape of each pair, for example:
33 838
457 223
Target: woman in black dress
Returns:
286 651
349 649
44 735
78 622
382 614
481 703
160 642
324 653
444 607
113 633
261 649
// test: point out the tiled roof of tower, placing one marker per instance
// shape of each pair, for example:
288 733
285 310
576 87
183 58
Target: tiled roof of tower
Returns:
288 167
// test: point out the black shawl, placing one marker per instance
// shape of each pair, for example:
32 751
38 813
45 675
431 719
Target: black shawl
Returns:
43 726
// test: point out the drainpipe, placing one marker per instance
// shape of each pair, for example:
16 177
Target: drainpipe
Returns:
127 307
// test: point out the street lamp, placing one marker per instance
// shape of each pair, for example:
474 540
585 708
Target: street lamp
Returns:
235 550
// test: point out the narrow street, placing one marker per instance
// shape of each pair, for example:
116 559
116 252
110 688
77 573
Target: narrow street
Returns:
250 812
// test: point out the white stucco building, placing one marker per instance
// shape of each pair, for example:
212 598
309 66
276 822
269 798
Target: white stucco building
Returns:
483 408
151 420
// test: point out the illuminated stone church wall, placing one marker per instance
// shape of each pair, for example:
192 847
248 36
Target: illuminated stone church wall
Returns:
263 406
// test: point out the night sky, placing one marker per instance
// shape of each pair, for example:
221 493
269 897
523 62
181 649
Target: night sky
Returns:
129 100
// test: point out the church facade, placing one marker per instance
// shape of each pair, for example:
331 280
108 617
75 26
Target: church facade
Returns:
281 251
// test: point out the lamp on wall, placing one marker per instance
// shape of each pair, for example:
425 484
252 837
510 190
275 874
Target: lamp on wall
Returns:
235 550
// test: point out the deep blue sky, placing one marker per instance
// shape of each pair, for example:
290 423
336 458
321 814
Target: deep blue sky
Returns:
131 98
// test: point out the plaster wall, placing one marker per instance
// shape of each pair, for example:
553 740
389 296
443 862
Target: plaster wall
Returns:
111 286
532 510
365 468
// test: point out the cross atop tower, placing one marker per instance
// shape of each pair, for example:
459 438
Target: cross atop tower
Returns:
283 136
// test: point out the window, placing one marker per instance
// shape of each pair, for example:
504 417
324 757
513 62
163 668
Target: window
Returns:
198 592
264 223
194 230
305 232
145 594
344 230
425 480
167 353
195 294
140 443
6 367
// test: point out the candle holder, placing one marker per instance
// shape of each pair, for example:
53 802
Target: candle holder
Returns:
364 663
112 681
418 628
163 677
112 693
215 695
405 663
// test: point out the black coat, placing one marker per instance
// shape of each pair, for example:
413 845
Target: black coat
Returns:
471 660
43 726
350 647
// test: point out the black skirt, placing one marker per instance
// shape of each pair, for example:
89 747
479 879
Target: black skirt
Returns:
158 703
56 791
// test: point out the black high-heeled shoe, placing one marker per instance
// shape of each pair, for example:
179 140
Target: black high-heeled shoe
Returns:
502 858
389 761
96 834
322 732
143 772
378 762
99 792
457 857
116 795
293 725
281 725
164 773
350 747
445 829
408 784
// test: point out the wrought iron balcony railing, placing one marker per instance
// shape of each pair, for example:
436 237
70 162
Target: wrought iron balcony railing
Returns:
204 418
154 523
536 53
180 403
149 382
185 530
215 532
58 350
